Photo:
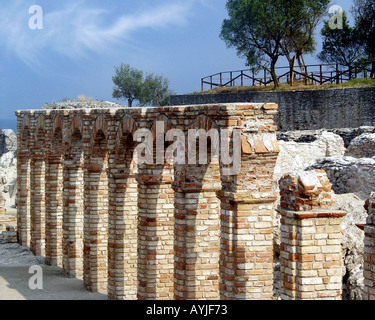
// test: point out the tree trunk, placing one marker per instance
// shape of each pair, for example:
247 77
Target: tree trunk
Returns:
273 74
292 65
130 103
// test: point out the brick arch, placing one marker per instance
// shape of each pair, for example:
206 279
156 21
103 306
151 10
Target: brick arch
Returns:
168 125
25 133
57 127
76 125
100 127
203 122
127 126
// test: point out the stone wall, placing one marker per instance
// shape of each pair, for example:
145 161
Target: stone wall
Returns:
304 110
150 230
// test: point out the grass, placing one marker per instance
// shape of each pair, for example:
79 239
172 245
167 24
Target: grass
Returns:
355 83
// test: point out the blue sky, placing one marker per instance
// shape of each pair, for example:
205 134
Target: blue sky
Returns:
83 40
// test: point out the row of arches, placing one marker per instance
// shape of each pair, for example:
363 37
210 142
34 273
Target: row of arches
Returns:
133 230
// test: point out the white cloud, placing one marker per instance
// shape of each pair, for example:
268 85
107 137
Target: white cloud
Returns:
75 29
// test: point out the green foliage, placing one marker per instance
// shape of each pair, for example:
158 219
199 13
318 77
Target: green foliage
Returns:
128 83
341 46
155 90
364 13
131 84
264 30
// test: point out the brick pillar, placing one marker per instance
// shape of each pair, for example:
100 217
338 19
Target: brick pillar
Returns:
155 232
369 250
197 233
96 216
123 221
38 192
311 236
54 203
247 209
246 261
23 186
73 211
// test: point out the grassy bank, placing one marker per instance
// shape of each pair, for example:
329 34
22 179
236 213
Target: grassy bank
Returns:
297 86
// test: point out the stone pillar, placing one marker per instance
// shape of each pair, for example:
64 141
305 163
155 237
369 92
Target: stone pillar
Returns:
38 192
155 232
311 236
369 250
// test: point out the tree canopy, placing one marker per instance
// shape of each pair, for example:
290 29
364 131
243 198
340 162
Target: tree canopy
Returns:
132 84
364 14
264 30
341 46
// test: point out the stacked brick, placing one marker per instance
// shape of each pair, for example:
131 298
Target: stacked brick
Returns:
311 235
150 231
369 251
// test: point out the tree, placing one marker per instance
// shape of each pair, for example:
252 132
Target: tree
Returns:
155 90
341 46
131 84
264 30
128 83
303 17
256 28
364 14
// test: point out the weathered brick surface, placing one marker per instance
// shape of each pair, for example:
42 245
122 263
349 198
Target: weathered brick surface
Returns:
369 250
310 238
149 231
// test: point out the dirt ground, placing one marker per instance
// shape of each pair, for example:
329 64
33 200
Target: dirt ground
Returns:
15 262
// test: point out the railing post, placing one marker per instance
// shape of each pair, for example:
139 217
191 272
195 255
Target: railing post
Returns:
265 77
202 84
253 78
211 82
241 78
337 74
321 74
221 79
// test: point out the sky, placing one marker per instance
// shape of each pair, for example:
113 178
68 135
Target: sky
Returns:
81 42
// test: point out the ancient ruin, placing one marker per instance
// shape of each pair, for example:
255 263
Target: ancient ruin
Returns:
182 230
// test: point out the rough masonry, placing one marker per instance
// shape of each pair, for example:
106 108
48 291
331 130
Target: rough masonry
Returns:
150 231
